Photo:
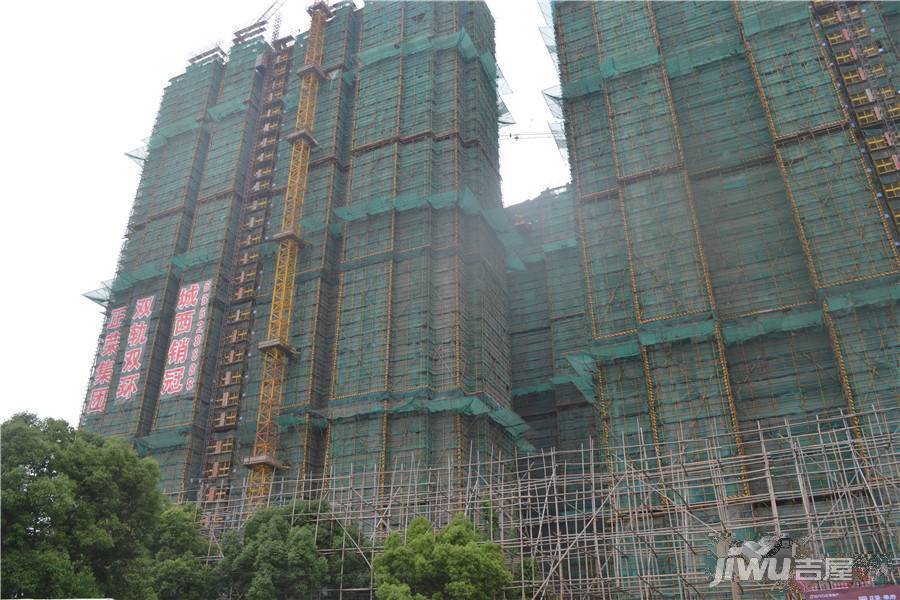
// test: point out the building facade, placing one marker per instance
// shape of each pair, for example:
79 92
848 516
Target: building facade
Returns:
725 255
727 251
395 348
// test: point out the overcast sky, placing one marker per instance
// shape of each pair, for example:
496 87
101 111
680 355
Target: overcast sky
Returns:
82 83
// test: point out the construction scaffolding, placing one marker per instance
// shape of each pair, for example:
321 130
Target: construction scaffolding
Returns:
328 295
697 335
163 241
722 255
246 270
862 46
178 436
639 530
418 364
275 348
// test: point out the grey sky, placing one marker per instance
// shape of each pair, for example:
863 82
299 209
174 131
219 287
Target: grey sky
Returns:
82 83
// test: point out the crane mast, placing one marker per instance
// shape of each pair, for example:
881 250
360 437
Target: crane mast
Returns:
276 349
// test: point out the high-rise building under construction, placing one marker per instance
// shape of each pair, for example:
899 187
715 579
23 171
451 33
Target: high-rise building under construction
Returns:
313 274
319 282
727 251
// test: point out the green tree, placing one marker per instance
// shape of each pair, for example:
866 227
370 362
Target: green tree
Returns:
83 516
178 571
280 554
456 563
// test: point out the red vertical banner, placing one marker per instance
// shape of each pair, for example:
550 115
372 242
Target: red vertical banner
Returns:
135 343
102 373
186 345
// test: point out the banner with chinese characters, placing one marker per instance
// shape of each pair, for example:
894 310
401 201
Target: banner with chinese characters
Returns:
186 345
132 360
101 375
884 592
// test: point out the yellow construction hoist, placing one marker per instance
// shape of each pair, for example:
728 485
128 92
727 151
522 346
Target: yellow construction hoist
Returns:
276 349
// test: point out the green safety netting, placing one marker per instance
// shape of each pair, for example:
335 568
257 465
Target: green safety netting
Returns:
464 198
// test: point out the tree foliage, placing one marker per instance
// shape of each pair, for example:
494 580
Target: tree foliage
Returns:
280 554
178 571
455 563
82 516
